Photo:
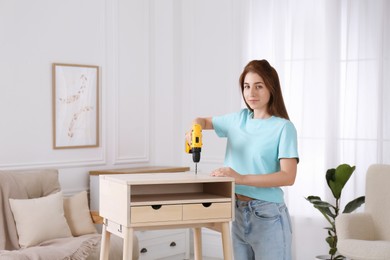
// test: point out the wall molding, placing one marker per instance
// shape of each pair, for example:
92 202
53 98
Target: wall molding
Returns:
144 156
57 164
131 160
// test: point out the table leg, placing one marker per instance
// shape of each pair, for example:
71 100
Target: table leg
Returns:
105 243
226 241
128 244
197 243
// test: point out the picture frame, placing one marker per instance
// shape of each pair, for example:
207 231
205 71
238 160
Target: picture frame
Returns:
75 106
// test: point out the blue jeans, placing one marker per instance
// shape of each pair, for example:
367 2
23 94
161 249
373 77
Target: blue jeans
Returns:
261 231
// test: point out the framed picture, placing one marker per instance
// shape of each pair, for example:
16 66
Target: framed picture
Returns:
75 106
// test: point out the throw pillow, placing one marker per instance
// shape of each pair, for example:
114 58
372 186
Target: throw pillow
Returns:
39 219
78 215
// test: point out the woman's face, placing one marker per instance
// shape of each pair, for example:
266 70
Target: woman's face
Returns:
256 94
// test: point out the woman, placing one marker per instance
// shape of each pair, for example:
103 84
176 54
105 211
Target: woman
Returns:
261 155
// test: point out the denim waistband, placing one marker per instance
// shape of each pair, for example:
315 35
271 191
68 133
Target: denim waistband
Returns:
256 203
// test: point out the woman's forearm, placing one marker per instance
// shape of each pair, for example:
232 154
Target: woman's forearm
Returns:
277 179
284 177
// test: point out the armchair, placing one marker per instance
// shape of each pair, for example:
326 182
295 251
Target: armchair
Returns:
366 236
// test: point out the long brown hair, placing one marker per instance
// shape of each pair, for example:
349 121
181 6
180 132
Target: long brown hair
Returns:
276 105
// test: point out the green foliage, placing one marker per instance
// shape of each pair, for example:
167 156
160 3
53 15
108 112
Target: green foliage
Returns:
336 180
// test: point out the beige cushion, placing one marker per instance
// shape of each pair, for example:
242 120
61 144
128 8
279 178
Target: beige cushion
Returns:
355 226
22 184
366 236
39 219
364 249
78 215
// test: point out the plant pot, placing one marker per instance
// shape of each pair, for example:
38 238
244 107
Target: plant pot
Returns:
322 257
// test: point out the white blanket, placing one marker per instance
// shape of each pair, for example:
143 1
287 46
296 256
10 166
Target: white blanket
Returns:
70 248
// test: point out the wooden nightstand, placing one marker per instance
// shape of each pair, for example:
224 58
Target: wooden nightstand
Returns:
153 244
165 201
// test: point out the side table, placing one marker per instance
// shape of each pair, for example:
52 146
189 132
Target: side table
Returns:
170 243
131 202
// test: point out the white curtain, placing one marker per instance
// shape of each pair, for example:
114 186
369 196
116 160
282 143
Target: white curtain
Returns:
333 59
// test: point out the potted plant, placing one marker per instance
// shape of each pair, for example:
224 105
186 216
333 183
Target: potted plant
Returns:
336 180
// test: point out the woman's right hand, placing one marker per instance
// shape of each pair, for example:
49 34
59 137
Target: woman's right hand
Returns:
205 123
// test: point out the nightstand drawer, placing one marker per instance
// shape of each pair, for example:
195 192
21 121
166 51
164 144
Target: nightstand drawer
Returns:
163 247
160 213
207 211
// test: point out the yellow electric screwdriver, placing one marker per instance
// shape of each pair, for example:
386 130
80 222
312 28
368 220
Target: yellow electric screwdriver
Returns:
196 145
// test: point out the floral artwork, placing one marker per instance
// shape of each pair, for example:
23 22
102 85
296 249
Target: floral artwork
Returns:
76 106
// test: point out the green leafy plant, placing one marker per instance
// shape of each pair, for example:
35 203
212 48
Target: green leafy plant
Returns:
336 180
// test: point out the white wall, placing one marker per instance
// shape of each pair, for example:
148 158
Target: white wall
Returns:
195 64
34 34
162 63
111 34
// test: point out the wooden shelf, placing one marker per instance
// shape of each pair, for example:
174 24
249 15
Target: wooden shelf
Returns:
181 198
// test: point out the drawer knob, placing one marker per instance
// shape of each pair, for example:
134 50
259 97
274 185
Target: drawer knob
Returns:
143 250
206 205
172 244
156 206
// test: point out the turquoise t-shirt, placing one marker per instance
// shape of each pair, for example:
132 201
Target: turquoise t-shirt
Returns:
254 146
